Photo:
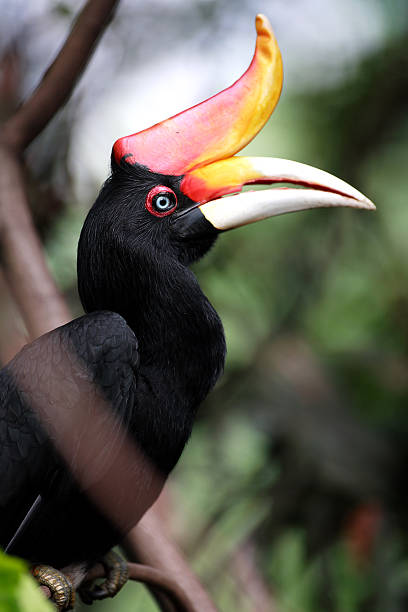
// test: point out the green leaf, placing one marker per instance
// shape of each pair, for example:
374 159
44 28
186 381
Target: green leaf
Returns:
18 590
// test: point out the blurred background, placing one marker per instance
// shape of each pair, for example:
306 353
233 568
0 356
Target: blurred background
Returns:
291 495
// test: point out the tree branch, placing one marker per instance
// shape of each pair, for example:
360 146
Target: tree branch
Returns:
149 543
25 269
61 77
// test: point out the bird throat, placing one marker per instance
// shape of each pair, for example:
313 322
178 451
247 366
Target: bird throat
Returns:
180 335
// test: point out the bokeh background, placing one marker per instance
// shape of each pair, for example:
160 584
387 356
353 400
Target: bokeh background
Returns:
291 494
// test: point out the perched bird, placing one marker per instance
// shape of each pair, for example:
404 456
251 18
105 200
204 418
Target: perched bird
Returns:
136 367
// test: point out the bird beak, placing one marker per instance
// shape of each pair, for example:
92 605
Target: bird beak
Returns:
207 183
205 186
199 146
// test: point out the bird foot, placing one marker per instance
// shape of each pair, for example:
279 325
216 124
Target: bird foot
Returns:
61 587
117 575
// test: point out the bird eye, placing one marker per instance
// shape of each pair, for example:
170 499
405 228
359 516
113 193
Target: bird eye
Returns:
161 201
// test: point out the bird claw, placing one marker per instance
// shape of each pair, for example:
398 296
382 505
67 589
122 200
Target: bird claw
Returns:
62 590
117 574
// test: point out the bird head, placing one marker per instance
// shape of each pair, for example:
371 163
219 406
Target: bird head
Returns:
189 161
176 185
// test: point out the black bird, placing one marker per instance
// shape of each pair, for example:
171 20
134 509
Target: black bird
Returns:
151 346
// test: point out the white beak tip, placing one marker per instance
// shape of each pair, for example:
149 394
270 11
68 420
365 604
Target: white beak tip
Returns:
365 204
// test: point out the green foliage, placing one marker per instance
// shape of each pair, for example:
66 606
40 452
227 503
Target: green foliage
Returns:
18 590
133 596
61 246
299 579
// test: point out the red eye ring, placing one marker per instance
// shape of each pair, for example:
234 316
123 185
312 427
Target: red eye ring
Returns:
161 201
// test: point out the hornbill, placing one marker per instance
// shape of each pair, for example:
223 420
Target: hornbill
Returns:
151 345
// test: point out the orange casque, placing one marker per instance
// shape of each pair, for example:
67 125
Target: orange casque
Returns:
214 129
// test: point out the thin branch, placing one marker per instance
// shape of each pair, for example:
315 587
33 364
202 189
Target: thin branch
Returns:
25 269
149 544
61 77
250 580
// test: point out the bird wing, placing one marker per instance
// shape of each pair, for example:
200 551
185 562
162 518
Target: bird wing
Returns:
66 406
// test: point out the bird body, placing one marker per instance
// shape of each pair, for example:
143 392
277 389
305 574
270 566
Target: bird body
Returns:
155 402
151 346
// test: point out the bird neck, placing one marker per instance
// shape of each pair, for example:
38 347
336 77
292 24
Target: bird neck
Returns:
180 336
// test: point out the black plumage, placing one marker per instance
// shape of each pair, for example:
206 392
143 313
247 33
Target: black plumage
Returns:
153 347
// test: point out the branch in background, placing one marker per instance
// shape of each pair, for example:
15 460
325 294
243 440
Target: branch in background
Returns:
251 581
25 269
61 77
149 543
35 292
12 333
